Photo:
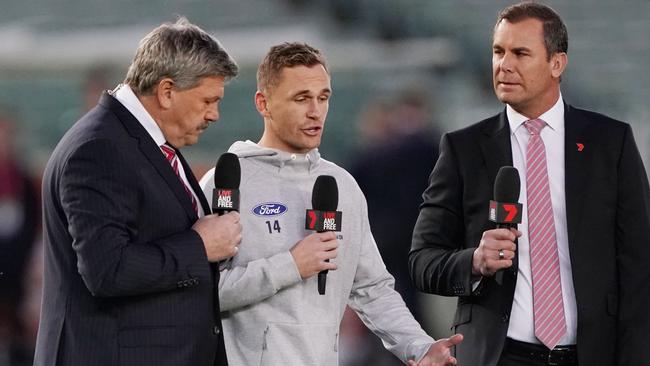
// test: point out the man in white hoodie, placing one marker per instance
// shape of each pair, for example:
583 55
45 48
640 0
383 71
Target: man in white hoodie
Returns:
272 312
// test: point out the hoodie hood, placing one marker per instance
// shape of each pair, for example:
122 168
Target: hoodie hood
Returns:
278 158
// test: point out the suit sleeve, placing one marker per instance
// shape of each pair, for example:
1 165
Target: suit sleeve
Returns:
633 247
380 307
254 281
438 262
101 201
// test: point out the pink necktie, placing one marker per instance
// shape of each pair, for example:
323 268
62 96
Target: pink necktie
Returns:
548 308
171 156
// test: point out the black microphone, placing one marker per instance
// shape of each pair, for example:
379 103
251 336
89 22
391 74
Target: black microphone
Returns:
227 175
324 217
505 210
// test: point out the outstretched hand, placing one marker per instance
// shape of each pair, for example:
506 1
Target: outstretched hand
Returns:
439 354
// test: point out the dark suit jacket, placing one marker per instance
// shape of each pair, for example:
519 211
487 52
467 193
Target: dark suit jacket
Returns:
608 217
126 282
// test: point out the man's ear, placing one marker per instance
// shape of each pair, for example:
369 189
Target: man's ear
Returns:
262 105
165 93
558 64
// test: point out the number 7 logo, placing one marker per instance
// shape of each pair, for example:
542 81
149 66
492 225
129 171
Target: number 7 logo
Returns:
312 219
512 212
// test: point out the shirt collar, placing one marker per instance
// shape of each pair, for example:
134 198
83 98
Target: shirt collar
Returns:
130 101
554 117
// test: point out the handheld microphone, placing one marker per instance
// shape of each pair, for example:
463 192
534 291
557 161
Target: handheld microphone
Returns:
505 211
227 175
324 217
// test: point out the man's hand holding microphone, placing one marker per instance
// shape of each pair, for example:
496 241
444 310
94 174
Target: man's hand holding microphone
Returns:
221 232
498 247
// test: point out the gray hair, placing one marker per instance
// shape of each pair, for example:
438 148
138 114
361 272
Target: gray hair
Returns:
180 51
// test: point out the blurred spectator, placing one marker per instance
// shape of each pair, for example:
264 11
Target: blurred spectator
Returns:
374 124
97 79
358 346
392 170
93 82
19 218
392 167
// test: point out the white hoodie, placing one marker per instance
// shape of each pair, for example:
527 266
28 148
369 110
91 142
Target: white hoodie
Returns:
270 315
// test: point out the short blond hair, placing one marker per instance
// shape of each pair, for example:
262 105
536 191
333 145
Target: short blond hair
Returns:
286 55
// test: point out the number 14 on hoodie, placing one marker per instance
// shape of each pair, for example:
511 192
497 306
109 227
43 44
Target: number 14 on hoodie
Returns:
274 227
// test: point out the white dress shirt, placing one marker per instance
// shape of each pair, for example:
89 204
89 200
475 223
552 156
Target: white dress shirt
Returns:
521 326
130 101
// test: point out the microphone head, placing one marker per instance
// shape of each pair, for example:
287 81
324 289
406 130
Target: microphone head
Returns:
507 185
325 196
227 172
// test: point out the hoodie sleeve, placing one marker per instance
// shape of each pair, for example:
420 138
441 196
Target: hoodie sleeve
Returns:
255 281
379 306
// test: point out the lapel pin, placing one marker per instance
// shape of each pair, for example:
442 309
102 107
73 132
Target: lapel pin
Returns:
580 146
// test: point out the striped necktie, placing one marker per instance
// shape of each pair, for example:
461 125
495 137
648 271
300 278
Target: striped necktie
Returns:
171 156
548 307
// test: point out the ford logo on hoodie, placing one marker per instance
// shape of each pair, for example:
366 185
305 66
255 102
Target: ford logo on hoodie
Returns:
269 209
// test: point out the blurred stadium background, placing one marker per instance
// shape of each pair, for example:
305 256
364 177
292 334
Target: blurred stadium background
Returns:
49 49
55 55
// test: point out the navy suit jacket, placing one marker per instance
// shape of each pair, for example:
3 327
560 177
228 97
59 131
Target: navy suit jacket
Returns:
126 281
608 218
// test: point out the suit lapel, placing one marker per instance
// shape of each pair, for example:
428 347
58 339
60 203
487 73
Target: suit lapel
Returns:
194 184
495 145
153 153
497 152
156 158
577 153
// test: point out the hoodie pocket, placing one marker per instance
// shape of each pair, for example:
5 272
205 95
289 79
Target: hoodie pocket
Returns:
300 344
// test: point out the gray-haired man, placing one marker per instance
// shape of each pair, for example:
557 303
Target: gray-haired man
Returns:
128 235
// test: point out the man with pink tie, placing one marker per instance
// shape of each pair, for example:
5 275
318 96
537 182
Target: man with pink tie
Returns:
575 286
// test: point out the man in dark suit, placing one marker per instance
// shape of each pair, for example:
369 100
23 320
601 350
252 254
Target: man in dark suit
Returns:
575 287
129 239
